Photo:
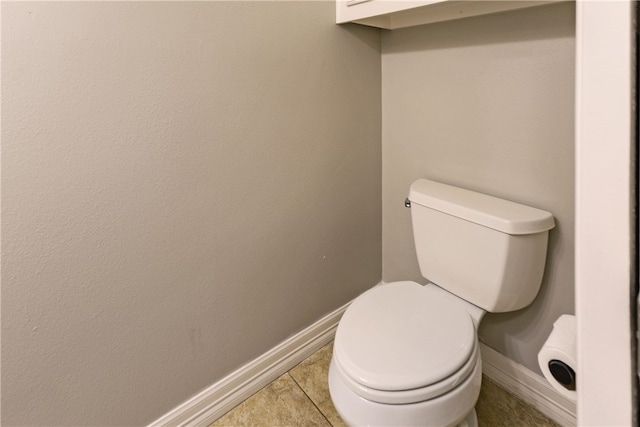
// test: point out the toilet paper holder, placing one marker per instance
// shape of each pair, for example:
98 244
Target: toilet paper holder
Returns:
557 357
563 373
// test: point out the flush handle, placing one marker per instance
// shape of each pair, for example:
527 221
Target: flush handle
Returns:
407 203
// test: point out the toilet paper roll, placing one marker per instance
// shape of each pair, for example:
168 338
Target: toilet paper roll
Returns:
557 357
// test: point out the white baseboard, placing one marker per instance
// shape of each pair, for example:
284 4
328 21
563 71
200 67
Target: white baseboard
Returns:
528 386
218 399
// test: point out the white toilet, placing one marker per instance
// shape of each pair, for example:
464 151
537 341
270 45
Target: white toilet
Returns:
406 354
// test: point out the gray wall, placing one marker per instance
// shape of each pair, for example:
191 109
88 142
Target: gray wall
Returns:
485 103
185 185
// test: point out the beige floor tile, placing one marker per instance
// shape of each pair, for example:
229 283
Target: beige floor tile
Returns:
282 403
498 408
311 375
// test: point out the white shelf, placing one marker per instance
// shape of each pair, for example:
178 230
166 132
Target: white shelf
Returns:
392 14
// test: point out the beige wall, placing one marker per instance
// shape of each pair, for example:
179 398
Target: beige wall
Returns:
485 103
185 185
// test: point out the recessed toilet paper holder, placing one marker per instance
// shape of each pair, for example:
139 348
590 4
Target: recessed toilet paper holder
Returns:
557 357
563 374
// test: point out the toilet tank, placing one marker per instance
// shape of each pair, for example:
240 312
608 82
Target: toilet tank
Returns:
487 251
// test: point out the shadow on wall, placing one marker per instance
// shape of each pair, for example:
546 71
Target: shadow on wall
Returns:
481 30
363 33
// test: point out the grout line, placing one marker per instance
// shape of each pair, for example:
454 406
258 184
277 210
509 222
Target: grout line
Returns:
309 397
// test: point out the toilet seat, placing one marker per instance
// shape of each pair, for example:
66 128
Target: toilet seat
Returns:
404 342
414 395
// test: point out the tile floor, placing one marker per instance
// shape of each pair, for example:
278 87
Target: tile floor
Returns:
301 398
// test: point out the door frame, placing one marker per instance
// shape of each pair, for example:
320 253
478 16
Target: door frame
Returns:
605 194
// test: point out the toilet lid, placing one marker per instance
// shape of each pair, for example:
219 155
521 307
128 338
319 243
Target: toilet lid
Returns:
403 336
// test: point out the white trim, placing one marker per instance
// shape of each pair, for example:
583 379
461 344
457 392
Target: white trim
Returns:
534 389
604 141
218 399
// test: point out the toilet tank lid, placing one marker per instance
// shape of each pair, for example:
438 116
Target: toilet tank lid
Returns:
498 214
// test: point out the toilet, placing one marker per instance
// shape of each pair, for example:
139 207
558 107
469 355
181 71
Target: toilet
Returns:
407 354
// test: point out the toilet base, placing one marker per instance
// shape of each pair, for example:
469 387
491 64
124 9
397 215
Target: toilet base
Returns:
455 408
471 420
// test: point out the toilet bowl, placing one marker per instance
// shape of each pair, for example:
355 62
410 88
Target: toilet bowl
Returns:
407 354
429 374
456 408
